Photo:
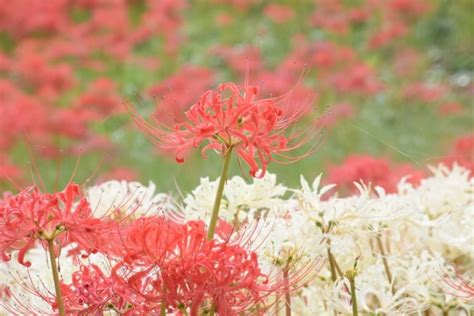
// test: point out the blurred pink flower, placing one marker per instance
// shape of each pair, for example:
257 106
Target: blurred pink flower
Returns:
336 114
358 78
224 19
426 93
377 171
240 58
175 94
450 108
8 170
279 13
410 8
462 153
101 97
387 35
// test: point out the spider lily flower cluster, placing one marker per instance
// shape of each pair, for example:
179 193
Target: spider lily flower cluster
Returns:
148 264
154 263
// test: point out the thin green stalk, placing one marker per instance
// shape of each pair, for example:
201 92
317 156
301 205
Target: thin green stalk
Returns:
183 310
217 204
384 259
338 269
220 192
286 279
351 277
57 287
213 310
163 303
332 266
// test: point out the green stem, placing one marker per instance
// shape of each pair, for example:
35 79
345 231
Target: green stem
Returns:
220 192
338 269
353 295
57 287
287 291
163 303
213 310
334 262
332 266
183 310
384 259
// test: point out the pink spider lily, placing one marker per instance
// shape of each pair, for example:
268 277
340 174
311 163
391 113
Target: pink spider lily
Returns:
232 118
32 216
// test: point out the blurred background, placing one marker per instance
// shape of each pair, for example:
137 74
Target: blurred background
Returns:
394 84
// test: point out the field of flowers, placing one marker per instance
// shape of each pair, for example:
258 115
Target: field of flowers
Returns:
236 157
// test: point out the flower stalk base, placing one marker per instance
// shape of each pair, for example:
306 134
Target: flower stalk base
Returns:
57 287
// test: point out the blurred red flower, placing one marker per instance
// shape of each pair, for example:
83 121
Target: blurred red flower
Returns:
176 93
377 171
279 13
462 153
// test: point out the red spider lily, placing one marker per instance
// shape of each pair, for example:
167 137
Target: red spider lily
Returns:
226 274
167 262
32 216
232 118
92 292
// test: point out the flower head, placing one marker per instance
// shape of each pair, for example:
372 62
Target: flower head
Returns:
165 261
32 216
230 117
